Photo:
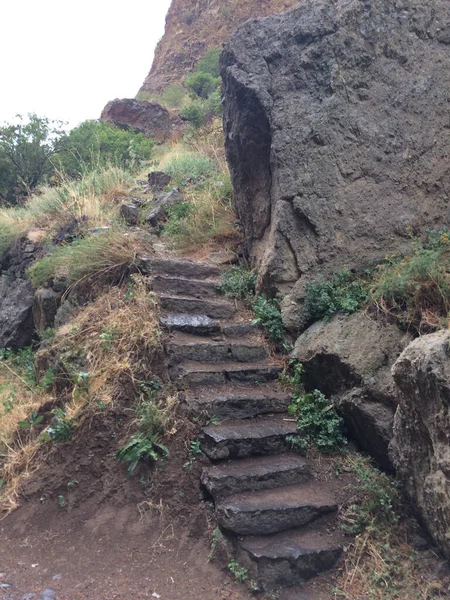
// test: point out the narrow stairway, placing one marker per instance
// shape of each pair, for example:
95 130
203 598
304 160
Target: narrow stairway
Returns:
282 520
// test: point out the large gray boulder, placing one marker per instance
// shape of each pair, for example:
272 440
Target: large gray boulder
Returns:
16 312
349 360
336 122
421 445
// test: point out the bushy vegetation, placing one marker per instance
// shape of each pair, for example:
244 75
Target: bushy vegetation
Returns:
237 283
39 151
318 424
268 315
25 151
95 144
188 165
344 292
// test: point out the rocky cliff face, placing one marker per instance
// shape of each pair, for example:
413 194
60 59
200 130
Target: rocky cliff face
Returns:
336 120
421 444
194 26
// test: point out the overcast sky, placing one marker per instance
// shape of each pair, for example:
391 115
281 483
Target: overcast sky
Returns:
65 59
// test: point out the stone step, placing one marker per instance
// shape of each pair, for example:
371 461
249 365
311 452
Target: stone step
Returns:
194 373
183 268
166 284
269 511
187 347
241 439
237 402
258 473
195 306
195 324
290 557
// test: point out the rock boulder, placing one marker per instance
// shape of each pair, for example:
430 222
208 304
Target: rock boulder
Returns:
148 118
16 314
421 445
336 123
349 360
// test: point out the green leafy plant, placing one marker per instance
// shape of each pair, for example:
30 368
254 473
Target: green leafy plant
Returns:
33 419
268 315
61 429
188 165
237 283
318 423
240 573
141 447
343 292
194 451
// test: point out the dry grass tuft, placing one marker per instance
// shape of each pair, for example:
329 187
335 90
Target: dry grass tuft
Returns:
116 335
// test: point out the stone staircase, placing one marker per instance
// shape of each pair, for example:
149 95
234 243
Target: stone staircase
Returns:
279 516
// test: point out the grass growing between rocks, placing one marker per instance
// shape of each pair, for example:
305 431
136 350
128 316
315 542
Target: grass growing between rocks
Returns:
381 563
205 219
105 256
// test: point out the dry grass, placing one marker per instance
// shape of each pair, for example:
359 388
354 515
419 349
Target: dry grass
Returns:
105 257
91 198
117 335
116 339
18 400
381 563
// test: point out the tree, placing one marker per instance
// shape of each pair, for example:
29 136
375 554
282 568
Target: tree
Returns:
25 151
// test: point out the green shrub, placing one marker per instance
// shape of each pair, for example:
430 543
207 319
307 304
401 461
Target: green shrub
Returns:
199 112
237 283
202 84
209 63
268 315
140 447
318 423
343 292
94 144
189 165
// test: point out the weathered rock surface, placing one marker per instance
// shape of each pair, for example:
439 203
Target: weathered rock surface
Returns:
16 314
158 180
421 445
336 122
194 27
148 118
349 360
158 212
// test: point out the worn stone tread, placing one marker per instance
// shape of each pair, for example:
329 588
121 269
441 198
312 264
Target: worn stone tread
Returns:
195 373
188 347
198 288
215 309
290 557
239 401
187 323
272 510
183 268
257 473
240 439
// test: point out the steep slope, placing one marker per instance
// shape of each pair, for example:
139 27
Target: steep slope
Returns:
194 26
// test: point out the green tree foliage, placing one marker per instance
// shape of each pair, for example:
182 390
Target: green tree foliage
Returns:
96 143
209 63
202 84
25 151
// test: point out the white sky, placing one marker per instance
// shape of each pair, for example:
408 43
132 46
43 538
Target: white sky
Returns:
65 59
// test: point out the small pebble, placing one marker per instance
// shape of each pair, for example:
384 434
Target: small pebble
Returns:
56 577
29 596
5 586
